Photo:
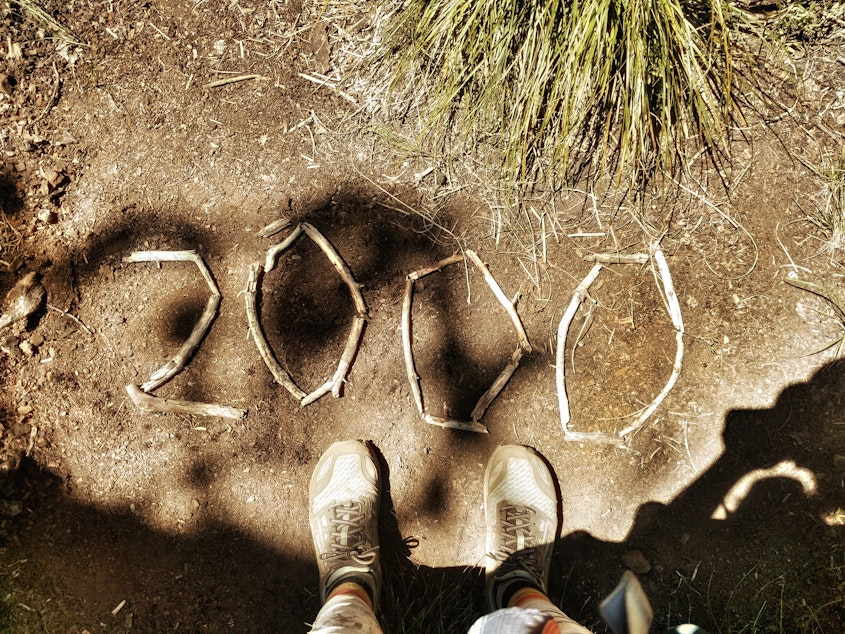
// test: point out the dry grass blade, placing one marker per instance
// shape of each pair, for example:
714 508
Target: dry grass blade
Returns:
832 298
829 213
32 11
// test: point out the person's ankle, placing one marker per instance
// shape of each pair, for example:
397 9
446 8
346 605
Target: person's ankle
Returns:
526 593
352 588
516 590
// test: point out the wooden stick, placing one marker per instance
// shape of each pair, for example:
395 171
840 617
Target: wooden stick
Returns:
410 369
280 375
232 80
560 358
448 423
331 87
452 259
501 380
149 403
335 384
503 300
352 343
72 317
339 265
407 301
674 309
274 227
497 386
273 252
181 358
176 256
617 258
678 323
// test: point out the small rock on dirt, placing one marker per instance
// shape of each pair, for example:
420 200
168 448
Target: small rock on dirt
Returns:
636 562
48 216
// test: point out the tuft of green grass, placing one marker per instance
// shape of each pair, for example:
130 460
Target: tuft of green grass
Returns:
589 86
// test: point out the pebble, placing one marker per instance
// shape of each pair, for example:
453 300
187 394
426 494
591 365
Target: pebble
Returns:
53 178
48 216
10 346
636 562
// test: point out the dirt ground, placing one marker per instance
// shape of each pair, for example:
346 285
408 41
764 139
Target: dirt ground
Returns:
729 503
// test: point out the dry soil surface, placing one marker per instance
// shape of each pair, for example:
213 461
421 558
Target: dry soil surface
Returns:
729 503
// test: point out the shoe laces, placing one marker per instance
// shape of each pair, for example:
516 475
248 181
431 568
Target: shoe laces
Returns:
518 547
348 541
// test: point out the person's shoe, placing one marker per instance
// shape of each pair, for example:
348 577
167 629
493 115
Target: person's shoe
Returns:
343 513
520 503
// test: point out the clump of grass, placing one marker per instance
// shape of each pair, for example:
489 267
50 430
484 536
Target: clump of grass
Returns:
423 600
829 214
808 21
597 85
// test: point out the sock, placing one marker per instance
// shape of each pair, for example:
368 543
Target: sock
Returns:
507 595
528 596
354 588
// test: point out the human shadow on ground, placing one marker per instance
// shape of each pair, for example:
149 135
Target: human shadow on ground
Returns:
71 565
759 562
757 538
773 560
757 541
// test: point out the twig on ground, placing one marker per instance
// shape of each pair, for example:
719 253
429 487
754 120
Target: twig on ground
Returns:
273 252
503 300
232 80
335 384
280 375
674 309
274 227
71 317
410 368
330 86
149 403
617 258
560 359
501 380
180 359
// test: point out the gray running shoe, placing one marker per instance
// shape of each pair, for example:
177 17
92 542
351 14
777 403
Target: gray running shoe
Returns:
343 513
520 504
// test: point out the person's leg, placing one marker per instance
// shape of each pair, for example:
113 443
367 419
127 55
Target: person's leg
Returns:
343 513
520 504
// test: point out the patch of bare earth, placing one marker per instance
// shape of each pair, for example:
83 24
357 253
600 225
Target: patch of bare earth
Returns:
729 503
